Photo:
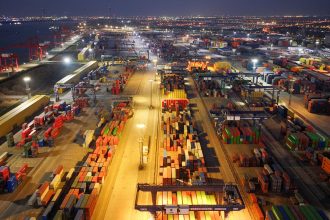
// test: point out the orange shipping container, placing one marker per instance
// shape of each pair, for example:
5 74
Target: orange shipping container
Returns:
253 198
258 212
326 165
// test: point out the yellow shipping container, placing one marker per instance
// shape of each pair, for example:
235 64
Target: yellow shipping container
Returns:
17 116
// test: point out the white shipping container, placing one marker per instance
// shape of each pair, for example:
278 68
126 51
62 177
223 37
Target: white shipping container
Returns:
32 199
268 169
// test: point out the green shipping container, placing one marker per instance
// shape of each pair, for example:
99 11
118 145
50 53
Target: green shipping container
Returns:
288 212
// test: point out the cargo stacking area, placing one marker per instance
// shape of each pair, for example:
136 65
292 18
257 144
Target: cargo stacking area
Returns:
74 194
184 190
169 119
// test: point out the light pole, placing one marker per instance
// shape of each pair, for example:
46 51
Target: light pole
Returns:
254 61
91 54
317 43
151 81
155 64
27 79
140 141
290 90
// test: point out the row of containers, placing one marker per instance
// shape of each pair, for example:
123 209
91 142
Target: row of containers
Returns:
282 80
9 181
272 178
45 128
120 80
181 160
74 195
182 156
256 158
241 135
317 103
171 82
39 132
209 87
300 141
302 212
285 212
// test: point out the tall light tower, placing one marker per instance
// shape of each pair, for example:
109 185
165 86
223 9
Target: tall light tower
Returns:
155 65
151 81
27 79
254 61
140 141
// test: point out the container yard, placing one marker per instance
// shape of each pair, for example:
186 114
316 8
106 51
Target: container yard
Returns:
161 118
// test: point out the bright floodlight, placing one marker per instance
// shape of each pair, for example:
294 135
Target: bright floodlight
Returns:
90 50
27 79
254 61
140 126
67 60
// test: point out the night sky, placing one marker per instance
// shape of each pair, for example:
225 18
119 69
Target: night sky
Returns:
164 7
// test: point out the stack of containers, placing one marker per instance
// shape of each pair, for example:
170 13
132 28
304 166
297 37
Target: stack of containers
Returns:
258 212
282 111
115 87
87 178
44 194
171 82
287 183
181 159
319 106
175 94
241 135
317 141
263 180
81 102
303 140
297 141
326 164
248 160
308 97
188 198
275 183
182 153
175 104
304 212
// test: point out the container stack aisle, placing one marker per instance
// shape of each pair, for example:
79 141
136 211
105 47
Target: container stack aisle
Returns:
181 159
